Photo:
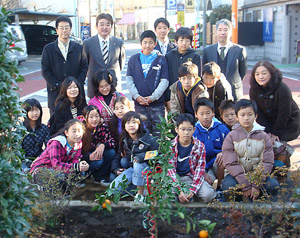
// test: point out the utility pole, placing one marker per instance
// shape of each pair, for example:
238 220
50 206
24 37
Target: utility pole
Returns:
204 24
234 21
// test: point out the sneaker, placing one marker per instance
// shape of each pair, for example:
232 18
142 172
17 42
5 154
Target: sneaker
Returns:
139 199
104 183
220 196
80 185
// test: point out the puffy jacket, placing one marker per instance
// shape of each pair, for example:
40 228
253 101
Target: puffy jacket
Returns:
244 152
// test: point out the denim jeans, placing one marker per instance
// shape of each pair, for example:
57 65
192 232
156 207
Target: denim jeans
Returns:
271 184
133 175
103 171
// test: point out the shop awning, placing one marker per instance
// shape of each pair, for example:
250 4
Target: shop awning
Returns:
127 19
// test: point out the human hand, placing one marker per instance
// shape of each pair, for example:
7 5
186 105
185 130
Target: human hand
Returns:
207 178
120 171
83 166
134 161
93 156
247 193
254 193
148 100
219 159
190 196
182 197
99 150
142 101
273 138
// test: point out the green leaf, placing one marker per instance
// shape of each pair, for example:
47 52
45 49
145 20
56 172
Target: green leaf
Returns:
188 227
181 215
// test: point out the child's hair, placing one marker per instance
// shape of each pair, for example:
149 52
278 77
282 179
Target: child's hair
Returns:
100 75
148 34
114 119
87 110
184 32
161 20
27 105
124 100
87 137
244 103
188 68
68 125
212 68
204 102
185 117
226 104
127 117
63 98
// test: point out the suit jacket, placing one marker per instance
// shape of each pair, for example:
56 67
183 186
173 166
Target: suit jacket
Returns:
115 63
170 47
55 68
236 67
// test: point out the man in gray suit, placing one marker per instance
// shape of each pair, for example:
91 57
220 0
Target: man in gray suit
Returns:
104 52
231 58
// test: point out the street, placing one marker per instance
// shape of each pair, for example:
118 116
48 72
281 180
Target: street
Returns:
34 85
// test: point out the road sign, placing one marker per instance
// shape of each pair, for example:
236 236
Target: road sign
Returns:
171 4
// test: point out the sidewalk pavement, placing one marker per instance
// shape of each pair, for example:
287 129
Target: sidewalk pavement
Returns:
291 71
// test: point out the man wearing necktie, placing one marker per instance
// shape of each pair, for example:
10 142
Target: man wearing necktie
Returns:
231 58
104 52
61 59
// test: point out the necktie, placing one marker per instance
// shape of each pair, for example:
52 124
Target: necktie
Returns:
104 51
222 54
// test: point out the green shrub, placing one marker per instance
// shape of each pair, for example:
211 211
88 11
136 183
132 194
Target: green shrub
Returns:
15 193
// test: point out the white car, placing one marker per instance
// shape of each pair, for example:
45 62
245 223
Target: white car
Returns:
20 56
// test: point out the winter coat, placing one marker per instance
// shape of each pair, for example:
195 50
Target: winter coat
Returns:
138 151
277 111
55 68
55 156
196 162
178 98
219 92
33 143
212 138
244 152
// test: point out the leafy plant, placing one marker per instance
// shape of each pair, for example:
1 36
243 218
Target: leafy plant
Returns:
220 12
161 202
15 193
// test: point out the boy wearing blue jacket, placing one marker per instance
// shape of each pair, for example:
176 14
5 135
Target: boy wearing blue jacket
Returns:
147 79
211 132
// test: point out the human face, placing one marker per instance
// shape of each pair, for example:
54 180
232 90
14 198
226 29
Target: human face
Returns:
34 114
132 126
187 82
185 132
72 91
104 87
162 31
183 44
93 119
121 109
223 34
205 115
63 31
74 134
148 45
229 117
262 76
104 28
209 80
246 118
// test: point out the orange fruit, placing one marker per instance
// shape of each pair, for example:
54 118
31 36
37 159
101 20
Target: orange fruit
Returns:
107 201
203 234
104 205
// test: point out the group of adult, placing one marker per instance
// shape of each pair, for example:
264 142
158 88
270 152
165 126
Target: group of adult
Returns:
277 111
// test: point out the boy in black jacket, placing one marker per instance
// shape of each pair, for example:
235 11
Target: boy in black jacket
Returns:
180 55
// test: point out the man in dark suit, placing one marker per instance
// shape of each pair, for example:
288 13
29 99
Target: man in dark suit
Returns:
104 52
231 58
162 29
62 58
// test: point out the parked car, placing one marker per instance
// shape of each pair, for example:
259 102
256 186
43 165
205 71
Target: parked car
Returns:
17 34
37 36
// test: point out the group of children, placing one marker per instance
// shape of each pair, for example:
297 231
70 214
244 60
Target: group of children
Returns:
111 147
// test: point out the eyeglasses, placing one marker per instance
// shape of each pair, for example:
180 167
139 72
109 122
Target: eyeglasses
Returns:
64 28
104 86
186 129
104 25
